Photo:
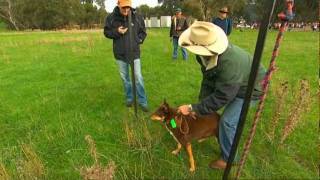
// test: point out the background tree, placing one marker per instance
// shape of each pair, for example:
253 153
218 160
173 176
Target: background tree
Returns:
189 8
305 10
207 8
7 12
101 3
88 14
144 10
169 6
49 14
53 14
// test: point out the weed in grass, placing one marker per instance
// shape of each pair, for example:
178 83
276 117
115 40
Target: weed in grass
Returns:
281 94
4 57
300 107
3 173
62 41
31 167
92 148
130 139
139 141
136 131
90 43
97 171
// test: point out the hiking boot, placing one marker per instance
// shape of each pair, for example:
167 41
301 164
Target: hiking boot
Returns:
129 104
144 108
218 164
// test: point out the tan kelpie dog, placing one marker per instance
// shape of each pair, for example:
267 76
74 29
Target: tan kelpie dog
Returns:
184 129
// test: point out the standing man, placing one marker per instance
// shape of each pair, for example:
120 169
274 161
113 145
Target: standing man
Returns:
226 69
178 25
223 21
116 28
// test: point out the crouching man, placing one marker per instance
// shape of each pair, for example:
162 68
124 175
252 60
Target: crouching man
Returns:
225 68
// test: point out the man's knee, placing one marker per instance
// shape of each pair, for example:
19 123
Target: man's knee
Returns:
228 125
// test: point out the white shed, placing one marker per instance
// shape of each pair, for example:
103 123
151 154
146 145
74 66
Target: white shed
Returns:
155 22
147 22
165 21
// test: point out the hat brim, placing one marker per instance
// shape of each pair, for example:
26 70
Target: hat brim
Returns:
125 4
200 50
217 47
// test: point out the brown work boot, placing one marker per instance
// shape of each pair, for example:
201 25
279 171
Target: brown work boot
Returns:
218 164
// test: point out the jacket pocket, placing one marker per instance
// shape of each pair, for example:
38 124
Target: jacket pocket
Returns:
136 44
118 46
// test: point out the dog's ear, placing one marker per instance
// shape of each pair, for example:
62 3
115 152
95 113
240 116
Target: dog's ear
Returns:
164 101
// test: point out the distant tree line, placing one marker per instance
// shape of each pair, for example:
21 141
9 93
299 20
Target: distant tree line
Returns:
56 14
51 14
250 10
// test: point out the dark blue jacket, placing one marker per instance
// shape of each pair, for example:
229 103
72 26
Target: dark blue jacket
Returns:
225 24
121 41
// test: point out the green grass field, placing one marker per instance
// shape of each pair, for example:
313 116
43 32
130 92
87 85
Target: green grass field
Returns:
58 87
2 26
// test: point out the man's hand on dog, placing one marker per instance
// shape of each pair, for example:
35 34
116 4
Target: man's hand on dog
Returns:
184 109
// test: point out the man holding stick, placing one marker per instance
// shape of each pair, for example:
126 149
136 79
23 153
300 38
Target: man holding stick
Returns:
116 28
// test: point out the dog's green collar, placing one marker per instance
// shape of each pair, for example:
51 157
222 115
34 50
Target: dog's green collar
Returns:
172 123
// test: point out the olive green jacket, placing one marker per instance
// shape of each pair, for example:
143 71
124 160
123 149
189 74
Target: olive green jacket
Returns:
229 79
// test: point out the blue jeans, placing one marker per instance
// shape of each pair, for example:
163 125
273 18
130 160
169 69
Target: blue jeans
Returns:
175 49
228 126
125 76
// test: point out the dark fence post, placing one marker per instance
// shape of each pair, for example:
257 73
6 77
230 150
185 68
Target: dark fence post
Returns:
131 60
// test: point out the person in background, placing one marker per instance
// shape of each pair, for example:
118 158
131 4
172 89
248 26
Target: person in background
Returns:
178 25
116 28
223 21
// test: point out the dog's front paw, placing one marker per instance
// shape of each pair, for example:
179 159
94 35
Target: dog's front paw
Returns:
175 152
192 169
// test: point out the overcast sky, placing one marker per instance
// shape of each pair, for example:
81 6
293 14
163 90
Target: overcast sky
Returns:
110 4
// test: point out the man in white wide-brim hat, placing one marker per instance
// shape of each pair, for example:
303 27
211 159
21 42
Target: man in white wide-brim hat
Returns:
226 70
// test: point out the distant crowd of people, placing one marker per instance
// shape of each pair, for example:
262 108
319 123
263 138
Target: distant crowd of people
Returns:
298 26
301 26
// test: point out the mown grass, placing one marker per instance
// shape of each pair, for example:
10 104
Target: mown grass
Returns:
58 87
2 26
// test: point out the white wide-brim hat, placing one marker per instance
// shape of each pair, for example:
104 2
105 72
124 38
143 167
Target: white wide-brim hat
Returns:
204 38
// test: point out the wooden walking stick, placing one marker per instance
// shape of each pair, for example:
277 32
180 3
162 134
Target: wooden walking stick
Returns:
131 60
